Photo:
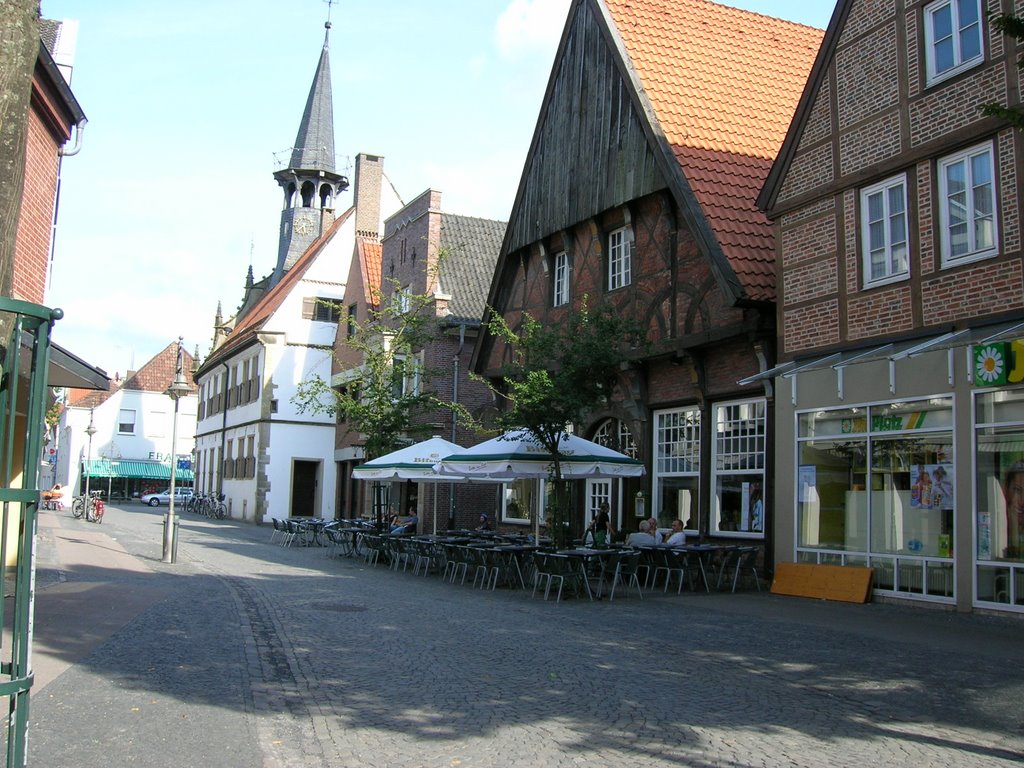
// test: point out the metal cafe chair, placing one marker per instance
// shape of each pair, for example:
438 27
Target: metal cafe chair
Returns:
626 570
739 561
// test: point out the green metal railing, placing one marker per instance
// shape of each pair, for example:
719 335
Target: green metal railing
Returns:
24 358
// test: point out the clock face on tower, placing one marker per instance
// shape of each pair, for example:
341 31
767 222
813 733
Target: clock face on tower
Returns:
303 225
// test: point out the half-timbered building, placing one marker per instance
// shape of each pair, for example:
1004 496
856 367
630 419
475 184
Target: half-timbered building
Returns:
901 307
660 122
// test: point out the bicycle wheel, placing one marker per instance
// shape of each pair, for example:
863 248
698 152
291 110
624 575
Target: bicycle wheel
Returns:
77 508
222 510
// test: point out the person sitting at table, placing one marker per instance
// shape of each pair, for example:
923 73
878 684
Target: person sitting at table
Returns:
643 537
406 524
485 524
678 536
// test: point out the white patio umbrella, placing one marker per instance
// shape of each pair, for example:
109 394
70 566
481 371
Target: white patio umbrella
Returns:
414 462
518 454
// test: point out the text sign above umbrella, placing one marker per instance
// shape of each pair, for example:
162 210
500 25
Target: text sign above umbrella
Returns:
518 454
414 462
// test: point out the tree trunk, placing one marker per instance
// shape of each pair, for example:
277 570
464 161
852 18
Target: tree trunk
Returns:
19 47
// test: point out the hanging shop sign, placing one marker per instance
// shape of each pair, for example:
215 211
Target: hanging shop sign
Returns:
998 363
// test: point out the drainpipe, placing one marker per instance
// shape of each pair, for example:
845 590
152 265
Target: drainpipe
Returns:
455 400
79 128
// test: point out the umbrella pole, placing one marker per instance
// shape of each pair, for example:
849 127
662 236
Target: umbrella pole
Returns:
434 486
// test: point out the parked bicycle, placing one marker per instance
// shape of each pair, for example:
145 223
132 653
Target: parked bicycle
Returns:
92 508
209 505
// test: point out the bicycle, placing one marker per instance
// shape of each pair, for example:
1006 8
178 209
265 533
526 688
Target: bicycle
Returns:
92 511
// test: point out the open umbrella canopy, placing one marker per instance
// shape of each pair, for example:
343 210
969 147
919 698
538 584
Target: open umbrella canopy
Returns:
414 462
518 454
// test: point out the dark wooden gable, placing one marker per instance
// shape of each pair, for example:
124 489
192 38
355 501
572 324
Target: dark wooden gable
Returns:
592 149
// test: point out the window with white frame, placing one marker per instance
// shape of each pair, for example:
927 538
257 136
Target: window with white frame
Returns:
738 469
126 421
953 35
620 270
883 210
677 466
967 197
405 299
522 498
560 280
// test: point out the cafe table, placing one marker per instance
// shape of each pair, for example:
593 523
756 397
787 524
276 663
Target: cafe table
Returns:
588 555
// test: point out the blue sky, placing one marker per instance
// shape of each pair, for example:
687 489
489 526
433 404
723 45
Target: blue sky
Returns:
171 197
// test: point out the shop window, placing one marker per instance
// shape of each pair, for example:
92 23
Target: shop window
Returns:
883 210
521 499
876 486
738 477
954 34
967 200
677 465
999 471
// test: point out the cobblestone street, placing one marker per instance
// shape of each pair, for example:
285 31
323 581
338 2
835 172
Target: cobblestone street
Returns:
244 653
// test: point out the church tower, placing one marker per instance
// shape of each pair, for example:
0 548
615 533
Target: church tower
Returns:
310 183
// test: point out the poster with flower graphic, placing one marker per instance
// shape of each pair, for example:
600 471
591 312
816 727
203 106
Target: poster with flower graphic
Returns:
990 364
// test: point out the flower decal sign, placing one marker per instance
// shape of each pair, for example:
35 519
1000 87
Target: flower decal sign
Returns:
991 363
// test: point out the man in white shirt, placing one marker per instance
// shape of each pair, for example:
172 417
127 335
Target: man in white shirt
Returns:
678 536
643 537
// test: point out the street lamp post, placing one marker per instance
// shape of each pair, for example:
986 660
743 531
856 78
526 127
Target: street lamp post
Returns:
176 390
90 431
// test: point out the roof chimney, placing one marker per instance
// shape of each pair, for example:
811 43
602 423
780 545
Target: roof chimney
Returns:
369 177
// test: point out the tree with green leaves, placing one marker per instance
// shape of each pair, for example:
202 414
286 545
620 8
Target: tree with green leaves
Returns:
557 374
1013 26
386 398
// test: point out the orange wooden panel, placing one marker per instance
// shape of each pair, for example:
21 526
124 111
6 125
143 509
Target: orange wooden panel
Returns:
826 582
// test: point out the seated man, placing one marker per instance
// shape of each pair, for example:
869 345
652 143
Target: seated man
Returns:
678 535
643 537
406 524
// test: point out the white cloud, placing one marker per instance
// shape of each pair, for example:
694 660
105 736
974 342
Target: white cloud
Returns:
527 27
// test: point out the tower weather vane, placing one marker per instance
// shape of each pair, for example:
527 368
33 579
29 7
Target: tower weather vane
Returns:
330 3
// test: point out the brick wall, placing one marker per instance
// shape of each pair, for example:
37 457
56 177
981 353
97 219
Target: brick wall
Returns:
32 245
890 122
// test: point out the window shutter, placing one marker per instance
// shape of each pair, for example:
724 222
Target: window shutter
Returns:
308 307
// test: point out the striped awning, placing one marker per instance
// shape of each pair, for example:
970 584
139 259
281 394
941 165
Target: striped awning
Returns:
136 469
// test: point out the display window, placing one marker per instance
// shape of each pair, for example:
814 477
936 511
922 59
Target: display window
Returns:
739 459
876 486
677 466
999 506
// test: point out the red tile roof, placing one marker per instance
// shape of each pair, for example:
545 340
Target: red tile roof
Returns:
155 376
724 84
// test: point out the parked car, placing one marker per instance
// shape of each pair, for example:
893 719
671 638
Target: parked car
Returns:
181 495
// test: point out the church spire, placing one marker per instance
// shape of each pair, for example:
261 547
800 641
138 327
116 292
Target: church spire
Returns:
310 182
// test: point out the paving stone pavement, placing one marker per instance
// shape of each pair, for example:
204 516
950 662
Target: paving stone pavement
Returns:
247 654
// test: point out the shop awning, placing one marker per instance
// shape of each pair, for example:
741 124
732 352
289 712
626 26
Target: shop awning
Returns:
892 352
136 469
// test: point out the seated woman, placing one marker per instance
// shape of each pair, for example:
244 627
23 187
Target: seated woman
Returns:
485 524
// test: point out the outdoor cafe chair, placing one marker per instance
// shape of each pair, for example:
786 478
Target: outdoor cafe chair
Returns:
293 531
337 542
673 563
398 549
456 562
627 567
426 556
279 530
371 545
549 567
737 562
